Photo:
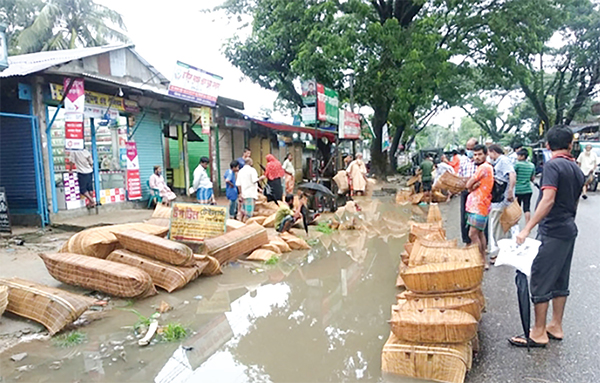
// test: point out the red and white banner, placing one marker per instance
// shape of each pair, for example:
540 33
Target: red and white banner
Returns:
74 109
134 184
321 108
349 128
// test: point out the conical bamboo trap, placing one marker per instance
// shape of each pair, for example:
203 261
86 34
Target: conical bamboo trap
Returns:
158 248
443 277
164 275
432 325
54 308
451 182
441 363
422 255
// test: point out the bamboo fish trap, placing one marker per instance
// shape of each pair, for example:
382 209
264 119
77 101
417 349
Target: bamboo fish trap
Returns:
443 277
475 294
451 182
3 299
230 246
158 248
441 363
430 325
432 232
422 255
164 275
100 275
54 308
467 305
434 215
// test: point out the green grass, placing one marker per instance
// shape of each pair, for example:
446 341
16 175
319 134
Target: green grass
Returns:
143 321
173 332
273 260
70 339
323 227
313 242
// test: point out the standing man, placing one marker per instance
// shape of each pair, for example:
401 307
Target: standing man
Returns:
587 161
503 172
525 176
247 181
466 170
203 186
455 162
242 160
84 166
427 177
561 185
357 173
479 199
231 190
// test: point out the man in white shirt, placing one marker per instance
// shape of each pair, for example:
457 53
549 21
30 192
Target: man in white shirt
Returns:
202 185
84 166
587 161
247 181
157 182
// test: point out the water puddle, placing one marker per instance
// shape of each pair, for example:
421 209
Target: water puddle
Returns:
315 316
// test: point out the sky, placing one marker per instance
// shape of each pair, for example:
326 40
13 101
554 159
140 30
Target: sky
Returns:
167 31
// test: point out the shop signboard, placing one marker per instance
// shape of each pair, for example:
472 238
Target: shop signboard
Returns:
192 222
196 85
99 101
309 92
134 185
73 198
349 128
204 117
74 107
4 215
237 123
309 115
327 105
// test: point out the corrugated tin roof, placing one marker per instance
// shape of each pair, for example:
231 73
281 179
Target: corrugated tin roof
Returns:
22 65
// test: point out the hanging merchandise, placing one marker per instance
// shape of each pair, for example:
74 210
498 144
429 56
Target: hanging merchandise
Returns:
74 107
134 186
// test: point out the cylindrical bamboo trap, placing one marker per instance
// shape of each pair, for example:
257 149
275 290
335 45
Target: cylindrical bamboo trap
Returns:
158 248
433 325
3 299
230 246
441 363
443 277
54 308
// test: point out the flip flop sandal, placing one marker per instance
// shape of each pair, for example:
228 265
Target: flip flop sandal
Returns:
525 342
553 337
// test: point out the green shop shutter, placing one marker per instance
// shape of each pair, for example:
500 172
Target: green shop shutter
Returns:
197 150
149 139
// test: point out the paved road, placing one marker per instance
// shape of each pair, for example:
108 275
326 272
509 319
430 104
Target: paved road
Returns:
577 358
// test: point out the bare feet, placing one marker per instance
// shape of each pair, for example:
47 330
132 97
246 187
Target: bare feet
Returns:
554 332
540 337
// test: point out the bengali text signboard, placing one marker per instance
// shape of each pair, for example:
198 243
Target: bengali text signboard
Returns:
192 222
74 108
349 125
4 215
134 185
327 105
195 85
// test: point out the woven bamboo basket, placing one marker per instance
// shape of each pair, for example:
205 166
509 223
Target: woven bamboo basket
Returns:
433 325
158 248
451 182
258 220
3 299
511 216
280 243
54 308
434 215
233 245
475 294
408 247
163 275
100 275
405 257
162 211
261 255
232 224
469 306
162 222
265 209
271 247
403 197
441 363
341 180
100 241
296 243
443 277
270 220
423 230
399 280
416 198
422 255
413 180
207 265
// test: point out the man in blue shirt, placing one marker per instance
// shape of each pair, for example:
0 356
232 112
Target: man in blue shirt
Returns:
242 160
231 191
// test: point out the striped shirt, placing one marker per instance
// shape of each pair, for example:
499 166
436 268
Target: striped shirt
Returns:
525 170
467 167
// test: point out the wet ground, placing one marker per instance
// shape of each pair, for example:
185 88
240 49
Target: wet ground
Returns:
317 316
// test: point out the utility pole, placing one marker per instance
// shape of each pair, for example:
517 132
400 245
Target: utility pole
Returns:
352 109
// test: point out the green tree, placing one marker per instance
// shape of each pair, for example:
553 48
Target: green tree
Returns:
17 15
67 24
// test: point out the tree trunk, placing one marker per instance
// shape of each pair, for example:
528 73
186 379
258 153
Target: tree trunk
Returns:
395 142
379 160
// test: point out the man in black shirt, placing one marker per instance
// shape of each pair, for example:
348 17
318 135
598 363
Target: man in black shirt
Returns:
561 185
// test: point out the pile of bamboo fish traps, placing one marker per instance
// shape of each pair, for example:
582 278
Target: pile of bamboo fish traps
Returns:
434 322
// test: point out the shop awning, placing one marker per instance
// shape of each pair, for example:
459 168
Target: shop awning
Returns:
316 132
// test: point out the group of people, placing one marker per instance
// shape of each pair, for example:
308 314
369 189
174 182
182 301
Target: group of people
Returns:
496 180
